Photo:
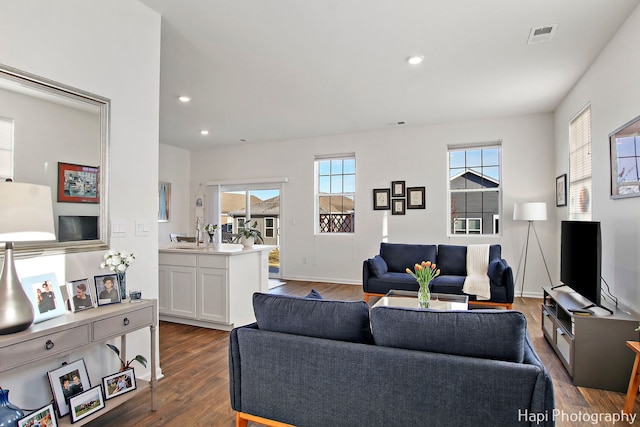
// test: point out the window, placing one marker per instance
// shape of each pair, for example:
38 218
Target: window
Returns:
269 227
580 166
6 148
335 194
474 189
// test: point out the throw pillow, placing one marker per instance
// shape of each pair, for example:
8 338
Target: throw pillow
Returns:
320 318
378 266
495 271
487 334
313 295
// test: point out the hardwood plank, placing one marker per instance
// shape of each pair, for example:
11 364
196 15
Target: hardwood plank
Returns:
195 387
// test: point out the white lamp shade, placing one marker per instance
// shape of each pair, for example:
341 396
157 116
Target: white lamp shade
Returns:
26 213
534 211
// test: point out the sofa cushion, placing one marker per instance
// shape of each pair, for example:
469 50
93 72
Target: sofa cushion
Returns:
452 260
378 266
447 284
487 334
400 256
320 318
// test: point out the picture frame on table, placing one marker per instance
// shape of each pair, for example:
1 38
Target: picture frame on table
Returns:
40 417
80 295
398 189
561 190
416 198
107 289
119 383
381 199
45 296
67 381
86 403
78 183
398 207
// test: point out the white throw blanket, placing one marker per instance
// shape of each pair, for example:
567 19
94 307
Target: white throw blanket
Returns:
477 280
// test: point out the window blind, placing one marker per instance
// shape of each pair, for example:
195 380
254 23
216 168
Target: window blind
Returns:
580 166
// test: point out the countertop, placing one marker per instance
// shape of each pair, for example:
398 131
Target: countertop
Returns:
225 249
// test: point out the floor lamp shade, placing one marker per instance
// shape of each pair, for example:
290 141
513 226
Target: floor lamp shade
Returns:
534 211
26 215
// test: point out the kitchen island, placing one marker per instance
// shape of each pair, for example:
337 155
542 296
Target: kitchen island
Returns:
211 287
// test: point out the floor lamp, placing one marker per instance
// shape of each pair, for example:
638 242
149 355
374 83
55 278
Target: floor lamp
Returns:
534 211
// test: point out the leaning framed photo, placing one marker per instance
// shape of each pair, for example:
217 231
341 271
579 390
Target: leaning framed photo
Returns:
80 295
561 190
86 403
415 198
398 189
45 296
40 417
119 383
66 381
78 183
398 206
381 199
107 289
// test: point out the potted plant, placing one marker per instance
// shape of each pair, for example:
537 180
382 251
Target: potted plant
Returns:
249 234
124 364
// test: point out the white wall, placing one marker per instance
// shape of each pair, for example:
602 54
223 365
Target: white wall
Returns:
174 168
110 49
611 87
415 155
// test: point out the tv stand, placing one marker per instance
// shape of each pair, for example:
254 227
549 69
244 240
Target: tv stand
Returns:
589 340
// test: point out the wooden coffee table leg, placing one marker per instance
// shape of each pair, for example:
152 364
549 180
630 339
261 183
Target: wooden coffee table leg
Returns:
634 381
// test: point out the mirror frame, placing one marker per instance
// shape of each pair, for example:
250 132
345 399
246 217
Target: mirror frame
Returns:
59 90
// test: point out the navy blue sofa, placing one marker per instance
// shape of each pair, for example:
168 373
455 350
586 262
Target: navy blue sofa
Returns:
319 363
387 271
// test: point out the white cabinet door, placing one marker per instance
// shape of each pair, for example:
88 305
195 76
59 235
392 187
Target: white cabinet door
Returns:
163 289
212 295
181 291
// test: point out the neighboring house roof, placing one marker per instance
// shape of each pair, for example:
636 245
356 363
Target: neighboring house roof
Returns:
475 177
231 202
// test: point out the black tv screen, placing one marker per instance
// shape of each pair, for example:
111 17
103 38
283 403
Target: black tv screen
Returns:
74 228
581 258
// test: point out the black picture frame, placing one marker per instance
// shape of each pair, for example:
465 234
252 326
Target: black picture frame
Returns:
66 374
398 189
43 414
561 190
381 199
416 198
86 403
101 298
119 383
398 206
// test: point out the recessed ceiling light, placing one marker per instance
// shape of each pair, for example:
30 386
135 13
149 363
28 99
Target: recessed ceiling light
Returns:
204 132
184 98
415 59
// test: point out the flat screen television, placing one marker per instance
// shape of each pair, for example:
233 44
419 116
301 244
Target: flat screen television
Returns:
72 228
581 258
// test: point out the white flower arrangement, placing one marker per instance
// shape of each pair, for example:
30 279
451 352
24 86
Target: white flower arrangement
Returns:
211 228
117 261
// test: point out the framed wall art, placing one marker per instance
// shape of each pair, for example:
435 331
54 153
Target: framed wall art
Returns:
398 189
416 198
78 183
398 206
381 199
561 190
67 381
624 148
164 200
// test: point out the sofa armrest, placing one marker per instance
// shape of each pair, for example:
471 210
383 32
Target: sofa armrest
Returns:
234 367
366 273
546 404
501 275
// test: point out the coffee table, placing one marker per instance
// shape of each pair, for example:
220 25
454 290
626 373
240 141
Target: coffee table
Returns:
409 299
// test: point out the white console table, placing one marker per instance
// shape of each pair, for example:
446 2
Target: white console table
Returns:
75 331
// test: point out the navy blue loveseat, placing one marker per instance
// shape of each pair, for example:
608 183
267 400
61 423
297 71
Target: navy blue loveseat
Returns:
387 271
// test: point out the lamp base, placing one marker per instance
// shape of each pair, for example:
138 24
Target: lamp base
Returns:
16 311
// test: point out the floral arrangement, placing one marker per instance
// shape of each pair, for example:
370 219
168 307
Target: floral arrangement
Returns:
210 228
424 272
117 261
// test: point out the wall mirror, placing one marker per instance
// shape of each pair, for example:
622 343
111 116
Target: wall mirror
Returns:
59 137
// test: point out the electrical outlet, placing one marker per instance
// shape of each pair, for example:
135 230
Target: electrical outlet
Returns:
64 360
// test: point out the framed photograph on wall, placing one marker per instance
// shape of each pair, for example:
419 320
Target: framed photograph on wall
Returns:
107 289
381 199
416 198
45 296
561 190
119 383
66 381
78 183
398 206
86 403
398 189
164 197
624 149
40 417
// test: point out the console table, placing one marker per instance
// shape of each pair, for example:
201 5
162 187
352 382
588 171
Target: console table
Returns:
591 347
75 331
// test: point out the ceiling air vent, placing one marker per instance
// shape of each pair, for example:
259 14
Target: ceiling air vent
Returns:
542 34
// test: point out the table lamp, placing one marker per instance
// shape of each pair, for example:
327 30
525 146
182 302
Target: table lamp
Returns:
26 215
531 211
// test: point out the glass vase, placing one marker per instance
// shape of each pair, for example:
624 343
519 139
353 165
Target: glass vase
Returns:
9 413
424 295
122 280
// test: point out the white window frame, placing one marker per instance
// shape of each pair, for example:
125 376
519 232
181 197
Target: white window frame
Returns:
352 195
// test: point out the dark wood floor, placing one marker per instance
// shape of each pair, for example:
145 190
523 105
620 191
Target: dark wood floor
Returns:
195 387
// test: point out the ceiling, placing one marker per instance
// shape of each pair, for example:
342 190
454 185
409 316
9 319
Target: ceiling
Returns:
263 70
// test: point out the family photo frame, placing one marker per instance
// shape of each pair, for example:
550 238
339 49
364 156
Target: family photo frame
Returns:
40 417
107 289
80 295
45 296
78 183
86 403
67 381
119 383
